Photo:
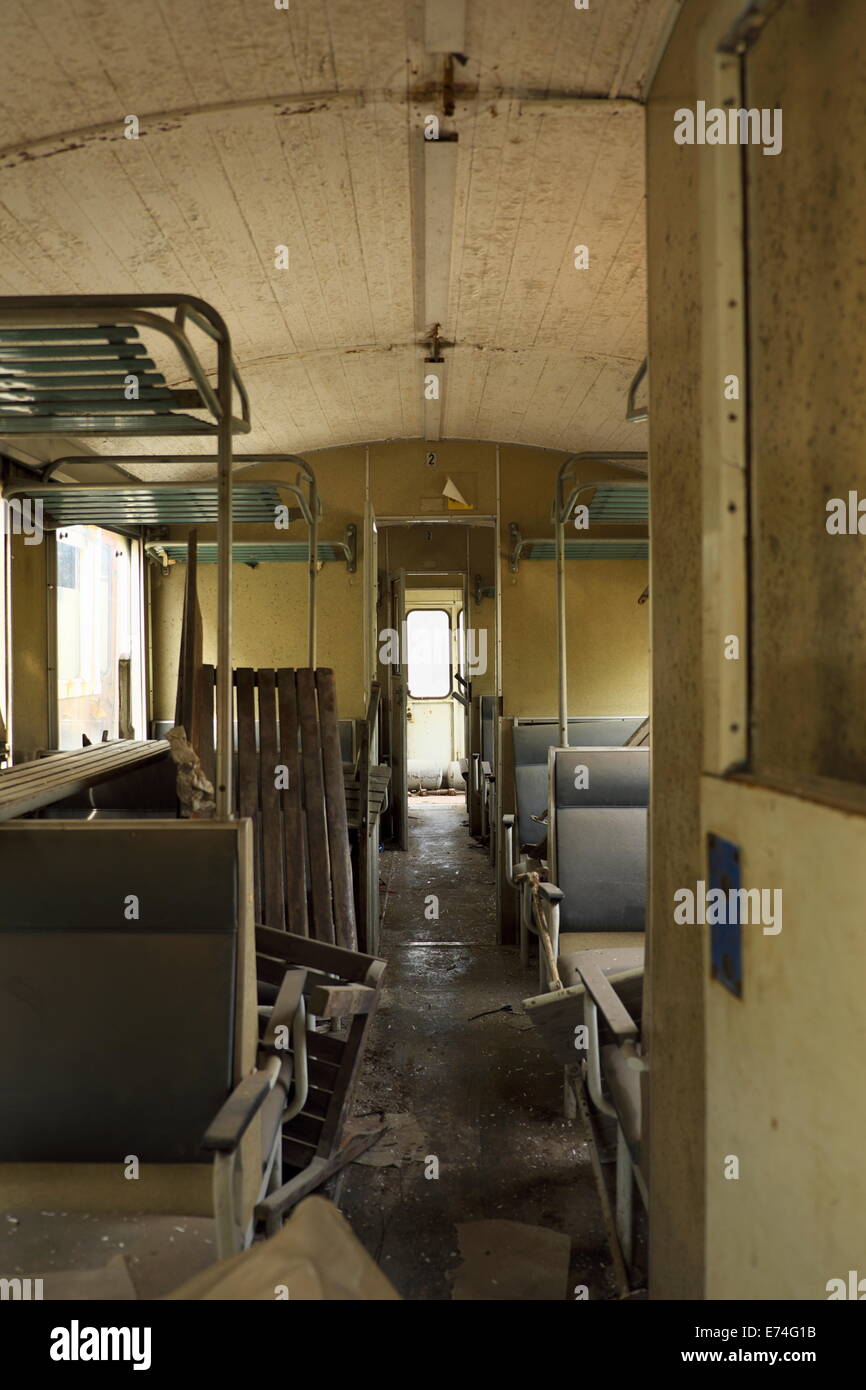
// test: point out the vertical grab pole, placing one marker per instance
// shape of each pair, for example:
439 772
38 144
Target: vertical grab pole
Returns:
224 710
560 614
313 570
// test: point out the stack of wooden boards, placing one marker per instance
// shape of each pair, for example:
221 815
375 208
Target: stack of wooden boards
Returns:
290 783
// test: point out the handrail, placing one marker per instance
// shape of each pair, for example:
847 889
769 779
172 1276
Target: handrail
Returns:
635 415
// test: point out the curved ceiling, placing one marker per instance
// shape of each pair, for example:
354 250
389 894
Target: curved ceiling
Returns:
262 127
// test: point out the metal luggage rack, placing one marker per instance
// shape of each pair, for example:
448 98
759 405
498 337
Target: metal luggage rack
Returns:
76 364
143 506
253 553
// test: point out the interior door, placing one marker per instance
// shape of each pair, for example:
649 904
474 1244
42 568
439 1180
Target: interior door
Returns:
398 694
783 796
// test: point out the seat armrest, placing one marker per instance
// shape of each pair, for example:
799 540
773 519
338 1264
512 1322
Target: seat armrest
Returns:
616 1015
553 895
233 1119
511 867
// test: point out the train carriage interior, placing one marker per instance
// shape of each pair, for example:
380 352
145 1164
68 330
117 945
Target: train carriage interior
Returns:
432 807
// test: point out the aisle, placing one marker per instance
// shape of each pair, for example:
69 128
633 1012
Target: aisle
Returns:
478 1094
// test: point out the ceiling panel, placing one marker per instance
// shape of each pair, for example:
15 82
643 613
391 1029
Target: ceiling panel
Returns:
302 128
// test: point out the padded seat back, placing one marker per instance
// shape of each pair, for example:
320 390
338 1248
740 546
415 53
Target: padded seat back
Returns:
489 704
532 742
117 1036
599 837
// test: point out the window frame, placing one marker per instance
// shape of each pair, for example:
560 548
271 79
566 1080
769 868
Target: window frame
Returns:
431 608
138 712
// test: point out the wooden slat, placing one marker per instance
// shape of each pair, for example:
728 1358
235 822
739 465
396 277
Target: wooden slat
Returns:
339 1001
327 1048
305 1127
30 786
317 1102
272 972
248 769
273 895
205 685
323 1075
346 931
313 1175
314 801
347 1078
362 817
350 966
297 1154
290 800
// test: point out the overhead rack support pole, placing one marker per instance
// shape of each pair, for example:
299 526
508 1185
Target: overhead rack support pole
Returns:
562 506
225 690
313 565
560 628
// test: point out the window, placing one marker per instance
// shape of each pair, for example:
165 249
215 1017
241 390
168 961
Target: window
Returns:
95 627
428 639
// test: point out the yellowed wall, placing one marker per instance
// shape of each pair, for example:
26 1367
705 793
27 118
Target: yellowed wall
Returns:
403 484
608 660
269 626
785 1093
608 638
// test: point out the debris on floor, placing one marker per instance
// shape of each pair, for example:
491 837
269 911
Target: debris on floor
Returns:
486 1095
511 1014
510 1260
404 1140
110 1284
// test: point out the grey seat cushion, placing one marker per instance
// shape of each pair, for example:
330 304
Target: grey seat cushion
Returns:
532 743
116 1034
601 867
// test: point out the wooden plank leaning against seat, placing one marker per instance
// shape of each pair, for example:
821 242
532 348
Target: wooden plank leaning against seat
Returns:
294 828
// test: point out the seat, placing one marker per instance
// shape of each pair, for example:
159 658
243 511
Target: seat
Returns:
165 1099
527 830
598 844
572 942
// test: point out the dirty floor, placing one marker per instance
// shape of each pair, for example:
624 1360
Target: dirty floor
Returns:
462 1079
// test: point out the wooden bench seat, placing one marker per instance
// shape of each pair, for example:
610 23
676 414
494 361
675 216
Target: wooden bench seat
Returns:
30 786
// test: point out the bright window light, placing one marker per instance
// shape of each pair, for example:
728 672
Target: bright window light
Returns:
428 637
93 631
